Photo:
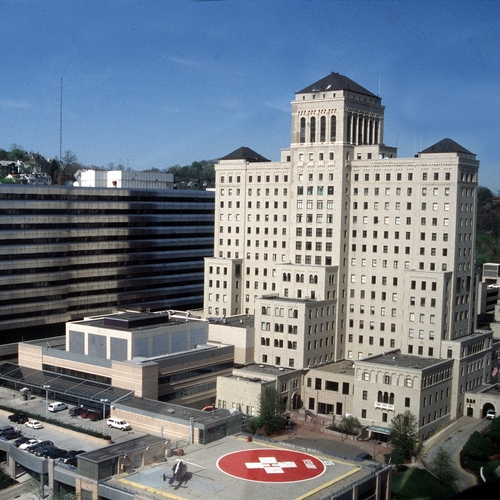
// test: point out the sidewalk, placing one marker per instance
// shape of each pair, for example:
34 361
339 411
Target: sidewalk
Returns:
314 434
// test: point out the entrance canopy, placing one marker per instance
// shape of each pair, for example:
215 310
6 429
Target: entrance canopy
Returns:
380 430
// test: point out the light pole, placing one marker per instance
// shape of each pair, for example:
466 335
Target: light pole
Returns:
103 401
46 387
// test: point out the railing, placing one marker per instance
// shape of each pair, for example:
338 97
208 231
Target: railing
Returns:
384 406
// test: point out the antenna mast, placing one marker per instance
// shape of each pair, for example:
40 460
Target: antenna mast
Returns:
60 123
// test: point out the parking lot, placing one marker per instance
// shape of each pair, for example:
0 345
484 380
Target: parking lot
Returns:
62 437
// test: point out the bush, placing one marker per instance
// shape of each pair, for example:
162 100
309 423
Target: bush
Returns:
6 481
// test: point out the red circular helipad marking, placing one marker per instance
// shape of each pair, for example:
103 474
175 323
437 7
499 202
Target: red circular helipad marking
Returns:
271 465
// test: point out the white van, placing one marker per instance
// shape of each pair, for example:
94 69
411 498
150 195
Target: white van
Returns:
118 423
57 406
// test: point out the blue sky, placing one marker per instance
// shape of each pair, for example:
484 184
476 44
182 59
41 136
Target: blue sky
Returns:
154 83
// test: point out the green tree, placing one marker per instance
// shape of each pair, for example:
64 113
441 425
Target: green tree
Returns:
495 430
396 457
350 424
404 432
443 468
478 447
272 409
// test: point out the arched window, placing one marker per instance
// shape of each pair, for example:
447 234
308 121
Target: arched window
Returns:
302 138
322 129
302 278
311 278
380 399
391 398
386 397
313 129
284 277
297 278
333 128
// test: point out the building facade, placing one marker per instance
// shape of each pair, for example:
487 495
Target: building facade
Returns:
70 252
341 250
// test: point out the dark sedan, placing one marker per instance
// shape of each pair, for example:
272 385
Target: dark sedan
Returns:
18 418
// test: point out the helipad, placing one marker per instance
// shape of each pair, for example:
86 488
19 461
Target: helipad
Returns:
234 468
271 465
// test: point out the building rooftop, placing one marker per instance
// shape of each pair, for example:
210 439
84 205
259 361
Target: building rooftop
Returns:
336 81
257 370
446 146
245 153
136 321
122 448
173 412
399 360
345 366
242 321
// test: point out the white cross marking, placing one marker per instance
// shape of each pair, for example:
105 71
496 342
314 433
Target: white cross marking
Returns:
270 465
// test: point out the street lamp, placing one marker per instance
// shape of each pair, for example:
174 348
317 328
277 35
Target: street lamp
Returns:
46 387
103 401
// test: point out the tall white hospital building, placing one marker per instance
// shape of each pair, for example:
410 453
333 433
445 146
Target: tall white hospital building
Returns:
349 256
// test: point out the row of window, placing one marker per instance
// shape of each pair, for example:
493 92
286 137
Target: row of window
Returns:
398 192
399 176
398 220
277 360
364 234
381 340
397 206
259 178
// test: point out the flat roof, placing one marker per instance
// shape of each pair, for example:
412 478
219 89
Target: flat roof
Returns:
261 369
136 321
173 411
397 359
241 321
346 366
122 448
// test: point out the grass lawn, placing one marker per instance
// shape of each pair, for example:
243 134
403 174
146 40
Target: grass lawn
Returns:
418 483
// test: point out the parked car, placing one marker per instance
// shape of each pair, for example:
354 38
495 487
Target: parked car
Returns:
95 416
58 406
42 451
18 442
53 452
363 456
70 454
18 418
41 444
118 423
77 410
491 414
15 434
34 424
6 428
73 461
27 444
87 413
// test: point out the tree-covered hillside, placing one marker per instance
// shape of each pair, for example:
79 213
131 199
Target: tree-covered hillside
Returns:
488 227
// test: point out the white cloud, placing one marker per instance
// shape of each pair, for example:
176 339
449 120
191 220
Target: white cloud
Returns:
12 103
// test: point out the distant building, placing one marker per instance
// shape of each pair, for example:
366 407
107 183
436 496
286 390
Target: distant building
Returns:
124 179
68 252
